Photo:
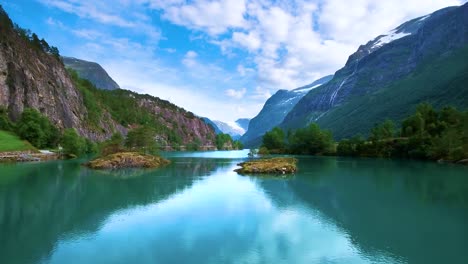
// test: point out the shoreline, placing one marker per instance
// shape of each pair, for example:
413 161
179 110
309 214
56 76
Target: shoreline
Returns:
26 156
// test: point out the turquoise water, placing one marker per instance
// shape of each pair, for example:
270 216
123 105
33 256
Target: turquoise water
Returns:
197 210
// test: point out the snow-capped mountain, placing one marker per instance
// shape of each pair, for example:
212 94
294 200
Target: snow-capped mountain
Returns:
232 128
422 60
275 109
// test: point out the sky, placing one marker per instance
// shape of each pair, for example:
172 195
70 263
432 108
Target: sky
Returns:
220 59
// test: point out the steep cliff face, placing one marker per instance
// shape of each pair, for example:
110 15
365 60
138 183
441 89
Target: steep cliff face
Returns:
275 110
91 71
380 66
185 124
33 78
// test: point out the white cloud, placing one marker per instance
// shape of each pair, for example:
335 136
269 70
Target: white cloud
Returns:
88 9
251 41
267 44
261 93
87 33
237 94
189 59
214 17
113 13
296 42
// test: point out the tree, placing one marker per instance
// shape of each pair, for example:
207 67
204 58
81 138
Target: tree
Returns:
383 131
274 140
72 143
112 145
237 145
37 129
311 140
5 123
222 141
142 138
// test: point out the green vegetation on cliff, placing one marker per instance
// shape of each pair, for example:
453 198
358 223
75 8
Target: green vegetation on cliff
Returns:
132 109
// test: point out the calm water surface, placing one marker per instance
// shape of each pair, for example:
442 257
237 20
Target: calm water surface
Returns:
197 210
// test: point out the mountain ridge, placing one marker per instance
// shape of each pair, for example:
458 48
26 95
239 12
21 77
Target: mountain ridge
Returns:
91 71
375 68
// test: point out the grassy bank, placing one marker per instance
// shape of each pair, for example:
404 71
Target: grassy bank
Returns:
11 142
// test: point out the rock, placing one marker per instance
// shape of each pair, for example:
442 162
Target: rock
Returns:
268 166
127 160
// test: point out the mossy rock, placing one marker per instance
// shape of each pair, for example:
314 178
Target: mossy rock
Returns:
127 160
268 166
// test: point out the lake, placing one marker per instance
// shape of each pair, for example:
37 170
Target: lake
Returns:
197 210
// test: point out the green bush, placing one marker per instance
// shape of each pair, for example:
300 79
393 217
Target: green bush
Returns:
72 143
37 129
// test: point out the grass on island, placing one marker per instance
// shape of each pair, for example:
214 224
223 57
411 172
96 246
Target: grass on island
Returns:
11 142
127 160
268 166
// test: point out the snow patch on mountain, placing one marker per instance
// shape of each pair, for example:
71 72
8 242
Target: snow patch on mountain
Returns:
306 90
236 127
391 36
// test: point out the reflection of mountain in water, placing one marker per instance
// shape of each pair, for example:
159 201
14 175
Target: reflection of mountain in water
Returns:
77 200
410 210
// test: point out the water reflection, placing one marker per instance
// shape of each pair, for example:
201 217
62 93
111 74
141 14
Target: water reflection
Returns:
414 211
222 218
197 210
42 203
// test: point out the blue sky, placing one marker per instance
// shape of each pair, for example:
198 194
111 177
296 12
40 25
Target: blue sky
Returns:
217 58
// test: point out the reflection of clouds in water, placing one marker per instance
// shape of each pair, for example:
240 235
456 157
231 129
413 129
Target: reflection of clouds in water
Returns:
222 218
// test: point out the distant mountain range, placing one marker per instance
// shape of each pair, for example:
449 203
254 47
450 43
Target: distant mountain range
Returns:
275 110
422 60
92 72
234 129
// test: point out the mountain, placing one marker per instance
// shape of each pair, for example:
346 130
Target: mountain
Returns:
275 110
231 128
422 60
212 124
92 72
243 123
32 75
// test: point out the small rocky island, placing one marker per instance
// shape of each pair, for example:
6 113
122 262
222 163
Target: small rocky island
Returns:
268 166
123 160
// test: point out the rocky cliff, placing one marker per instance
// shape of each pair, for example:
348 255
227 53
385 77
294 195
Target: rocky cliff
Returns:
30 77
421 60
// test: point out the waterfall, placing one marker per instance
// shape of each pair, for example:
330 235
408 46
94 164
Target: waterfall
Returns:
335 93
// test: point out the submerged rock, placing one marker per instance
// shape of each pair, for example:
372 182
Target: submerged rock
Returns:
127 160
268 166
